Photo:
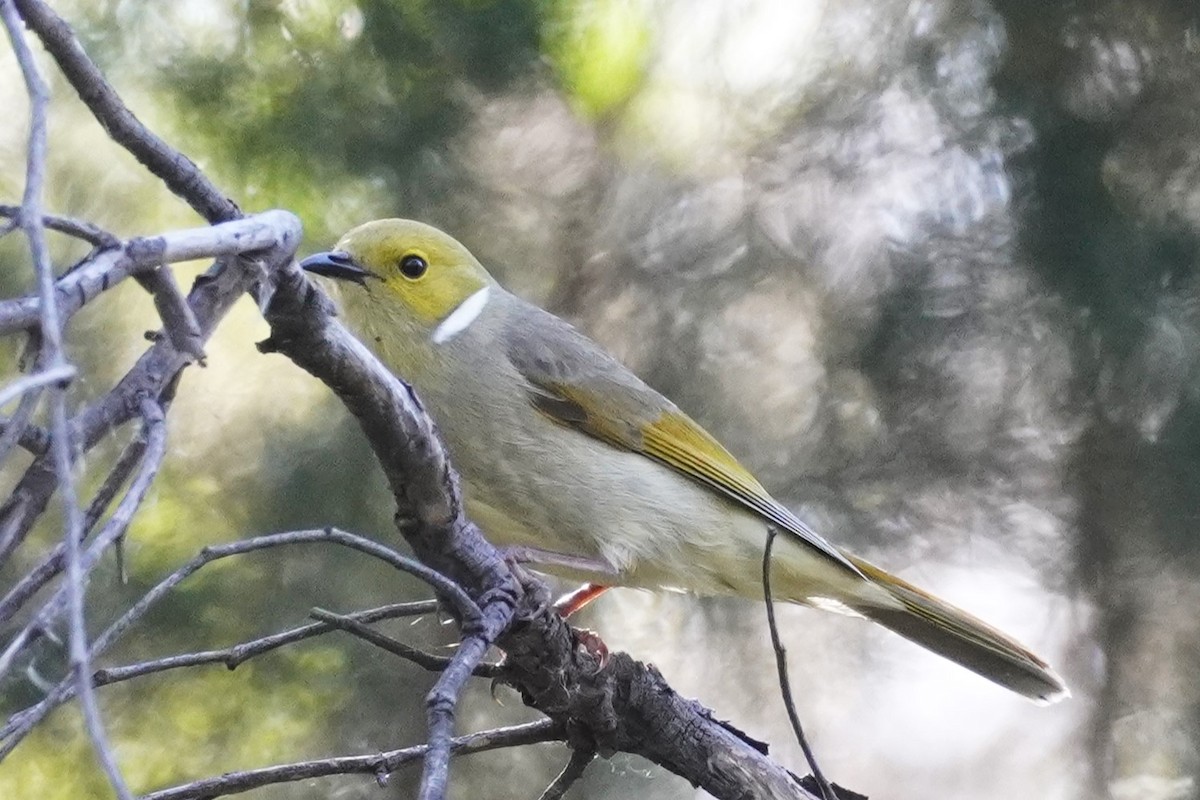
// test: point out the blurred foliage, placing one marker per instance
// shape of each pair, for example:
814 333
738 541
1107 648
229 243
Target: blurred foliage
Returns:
929 267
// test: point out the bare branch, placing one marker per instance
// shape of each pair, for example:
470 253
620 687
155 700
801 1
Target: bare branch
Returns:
34 439
52 564
235 656
114 529
54 361
230 657
18 430
178 172
60 374
21 723
448 590
106 269
378 764
785 686
178 320
273 233
422 659
573 771
79 229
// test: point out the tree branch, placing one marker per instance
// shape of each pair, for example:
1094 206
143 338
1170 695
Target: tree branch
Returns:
573 771
21 723
54 364
781 666
378 764
104 270
79 229
235 656
34 439
17 430
274 235
429 661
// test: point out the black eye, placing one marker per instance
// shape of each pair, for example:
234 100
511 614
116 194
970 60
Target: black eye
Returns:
412 266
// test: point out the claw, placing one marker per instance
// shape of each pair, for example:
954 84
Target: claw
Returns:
590 643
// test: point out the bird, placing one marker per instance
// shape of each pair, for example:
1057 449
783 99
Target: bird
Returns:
570 460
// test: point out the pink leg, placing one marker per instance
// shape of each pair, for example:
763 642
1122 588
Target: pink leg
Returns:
571 602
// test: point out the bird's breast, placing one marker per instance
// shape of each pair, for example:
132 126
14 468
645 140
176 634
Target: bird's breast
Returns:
532 481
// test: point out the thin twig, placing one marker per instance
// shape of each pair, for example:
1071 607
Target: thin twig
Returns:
55 363
429 661
178 320
235 656
52 564
86 231
378 764
785 686
274 233
463 605
33 438
21 723
113 530
572 772
59 374
230 658
479 634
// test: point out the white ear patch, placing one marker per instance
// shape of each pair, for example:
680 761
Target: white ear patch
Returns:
460 318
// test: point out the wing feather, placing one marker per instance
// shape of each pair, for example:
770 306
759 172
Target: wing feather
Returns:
577 384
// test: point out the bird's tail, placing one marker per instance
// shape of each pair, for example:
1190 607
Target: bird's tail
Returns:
953 633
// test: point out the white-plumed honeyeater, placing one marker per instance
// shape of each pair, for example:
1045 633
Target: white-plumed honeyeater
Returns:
568 456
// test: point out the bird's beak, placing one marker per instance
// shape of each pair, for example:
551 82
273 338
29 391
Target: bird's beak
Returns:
336 264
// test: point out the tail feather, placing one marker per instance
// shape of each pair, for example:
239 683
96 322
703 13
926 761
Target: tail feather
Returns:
953 633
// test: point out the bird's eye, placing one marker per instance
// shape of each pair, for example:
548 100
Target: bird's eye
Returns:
413 266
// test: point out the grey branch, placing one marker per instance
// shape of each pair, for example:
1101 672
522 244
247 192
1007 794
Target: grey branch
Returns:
573 771
378 764
52 564
85 231
781 667
429 661
178 320
21 723
273 235
19 428
235 656
53 361
106 269
60 374
34 439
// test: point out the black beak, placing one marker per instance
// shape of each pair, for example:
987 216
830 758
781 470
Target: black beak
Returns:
336 264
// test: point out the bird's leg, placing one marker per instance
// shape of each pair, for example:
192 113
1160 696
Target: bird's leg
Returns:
572 601
575 600
588 639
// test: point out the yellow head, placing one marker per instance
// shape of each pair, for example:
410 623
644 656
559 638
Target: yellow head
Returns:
411 272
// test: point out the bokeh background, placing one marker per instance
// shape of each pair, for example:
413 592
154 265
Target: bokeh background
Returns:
929 267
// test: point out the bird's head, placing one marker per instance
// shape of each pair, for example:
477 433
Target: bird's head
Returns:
410 274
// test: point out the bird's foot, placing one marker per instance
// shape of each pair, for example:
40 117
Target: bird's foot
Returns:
591 644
